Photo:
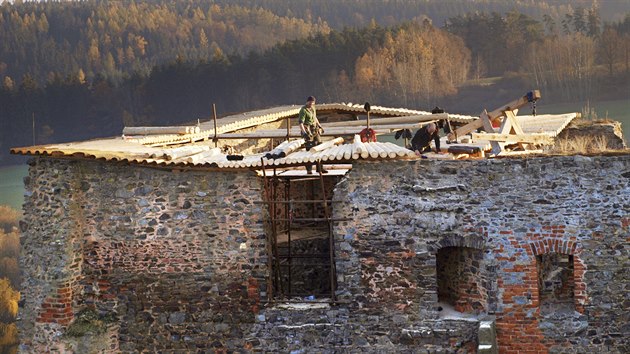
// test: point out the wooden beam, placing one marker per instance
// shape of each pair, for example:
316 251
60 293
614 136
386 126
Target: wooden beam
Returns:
542 139
486 123
328 144
160 130
389 121
520 153
328 132
285 148
487 126
497 113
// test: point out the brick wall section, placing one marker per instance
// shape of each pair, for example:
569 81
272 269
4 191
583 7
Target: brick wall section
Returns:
179 257
511 209
460 280
51 262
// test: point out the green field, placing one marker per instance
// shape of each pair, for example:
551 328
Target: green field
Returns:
12 185
618 110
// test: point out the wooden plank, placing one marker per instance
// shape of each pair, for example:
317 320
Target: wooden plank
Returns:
520 153
180 130
331 131
486 123
542 139
281 133
390 121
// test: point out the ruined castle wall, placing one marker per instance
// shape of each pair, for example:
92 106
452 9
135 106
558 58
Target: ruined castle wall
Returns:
179 258
513 210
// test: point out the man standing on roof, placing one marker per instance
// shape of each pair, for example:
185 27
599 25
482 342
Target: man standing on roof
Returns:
310 128
421 141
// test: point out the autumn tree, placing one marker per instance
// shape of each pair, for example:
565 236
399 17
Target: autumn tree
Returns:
610 48
565 64
414 66
8 301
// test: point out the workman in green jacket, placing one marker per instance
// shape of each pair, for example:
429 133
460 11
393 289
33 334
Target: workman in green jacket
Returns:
310 128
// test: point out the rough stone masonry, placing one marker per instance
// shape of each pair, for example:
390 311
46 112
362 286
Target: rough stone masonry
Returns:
177 260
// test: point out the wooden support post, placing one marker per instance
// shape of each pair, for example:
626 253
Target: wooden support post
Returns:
214 117
270 252
33 128
510 118
485 122
487 126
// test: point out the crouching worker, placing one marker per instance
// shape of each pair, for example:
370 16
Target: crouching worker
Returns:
421 141
310 128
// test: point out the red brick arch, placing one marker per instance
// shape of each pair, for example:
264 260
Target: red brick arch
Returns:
567 247
553 245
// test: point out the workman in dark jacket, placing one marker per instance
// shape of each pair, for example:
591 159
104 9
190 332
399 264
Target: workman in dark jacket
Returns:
421 141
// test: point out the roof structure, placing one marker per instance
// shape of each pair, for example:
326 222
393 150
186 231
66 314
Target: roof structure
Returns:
195 147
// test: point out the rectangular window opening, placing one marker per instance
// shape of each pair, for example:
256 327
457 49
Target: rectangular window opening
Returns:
556 283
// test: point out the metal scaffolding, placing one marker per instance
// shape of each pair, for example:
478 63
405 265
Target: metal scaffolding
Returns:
282 221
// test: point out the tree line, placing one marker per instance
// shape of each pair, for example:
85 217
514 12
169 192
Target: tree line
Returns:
359 13
572 57
114 38
117 38
414 64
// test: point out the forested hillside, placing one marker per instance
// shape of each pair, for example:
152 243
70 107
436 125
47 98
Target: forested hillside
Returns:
76 70
359 13
110 38
115 38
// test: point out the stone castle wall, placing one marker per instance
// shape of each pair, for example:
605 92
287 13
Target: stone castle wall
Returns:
512 210
178 260
143 246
